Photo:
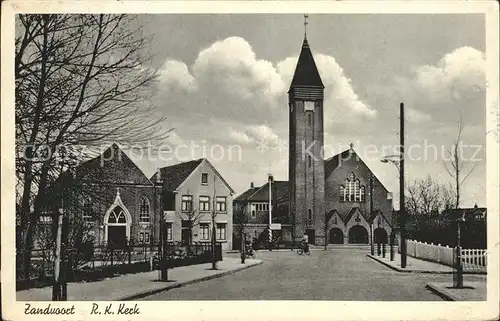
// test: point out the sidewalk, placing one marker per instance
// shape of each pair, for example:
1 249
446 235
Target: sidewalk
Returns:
134 286
413 265
472 291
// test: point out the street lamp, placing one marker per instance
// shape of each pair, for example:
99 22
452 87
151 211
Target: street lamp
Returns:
398 161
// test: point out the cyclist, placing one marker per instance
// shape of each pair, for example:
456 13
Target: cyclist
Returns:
305 243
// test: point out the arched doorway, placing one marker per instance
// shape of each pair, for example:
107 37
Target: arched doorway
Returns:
336 236
116 226
380 235
358 235
117 222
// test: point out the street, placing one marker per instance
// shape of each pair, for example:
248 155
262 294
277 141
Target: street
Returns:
339 274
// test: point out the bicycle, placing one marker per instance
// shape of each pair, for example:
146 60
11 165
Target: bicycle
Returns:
301 251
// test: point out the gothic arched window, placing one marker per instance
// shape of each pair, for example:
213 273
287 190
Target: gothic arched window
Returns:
117 216
352 190
144 210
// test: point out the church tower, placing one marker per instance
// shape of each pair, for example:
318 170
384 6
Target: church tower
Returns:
306 165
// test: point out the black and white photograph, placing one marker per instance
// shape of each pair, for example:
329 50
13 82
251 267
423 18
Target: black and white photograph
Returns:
153 156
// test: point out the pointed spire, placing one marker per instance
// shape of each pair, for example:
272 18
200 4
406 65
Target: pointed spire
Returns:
306 73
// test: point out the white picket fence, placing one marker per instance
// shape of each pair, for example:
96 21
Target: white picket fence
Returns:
472 259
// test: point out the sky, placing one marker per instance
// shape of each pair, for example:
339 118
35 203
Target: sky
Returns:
223 82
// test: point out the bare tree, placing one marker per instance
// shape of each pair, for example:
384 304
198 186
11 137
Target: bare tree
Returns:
426 198
325 226
240 222
192 216
82 80
457 167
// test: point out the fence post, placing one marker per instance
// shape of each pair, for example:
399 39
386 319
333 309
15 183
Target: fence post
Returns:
378 248
383 249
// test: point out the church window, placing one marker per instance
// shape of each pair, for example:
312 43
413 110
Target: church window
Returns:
309 117
117 216
352 190
144 210
309 161
335 220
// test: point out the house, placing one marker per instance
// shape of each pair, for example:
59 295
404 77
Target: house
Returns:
194 197
254 203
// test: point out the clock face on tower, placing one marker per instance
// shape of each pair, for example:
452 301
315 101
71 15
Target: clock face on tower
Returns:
309 105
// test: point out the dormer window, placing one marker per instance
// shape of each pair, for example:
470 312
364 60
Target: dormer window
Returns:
204 179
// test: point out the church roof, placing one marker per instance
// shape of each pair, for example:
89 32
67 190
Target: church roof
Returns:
173 176
347 216
112 166
306 73
332 163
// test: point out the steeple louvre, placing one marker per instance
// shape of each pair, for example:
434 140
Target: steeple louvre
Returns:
306 83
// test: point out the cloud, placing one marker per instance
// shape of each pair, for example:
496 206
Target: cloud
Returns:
457 76
416 116
175 73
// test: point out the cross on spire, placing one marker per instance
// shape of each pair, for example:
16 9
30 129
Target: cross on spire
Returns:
305 24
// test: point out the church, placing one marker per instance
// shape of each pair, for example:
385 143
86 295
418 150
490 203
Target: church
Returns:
337 200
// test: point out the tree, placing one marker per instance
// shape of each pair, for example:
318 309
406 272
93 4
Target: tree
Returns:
325 226
192 217
240 222
82 80
457 167
425 201
213 215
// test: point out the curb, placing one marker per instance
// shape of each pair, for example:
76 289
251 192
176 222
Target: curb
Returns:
395 268
443 294
404 270
183 283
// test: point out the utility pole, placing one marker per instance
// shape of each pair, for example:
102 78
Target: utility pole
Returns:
57 288
372 251
402 212
270 178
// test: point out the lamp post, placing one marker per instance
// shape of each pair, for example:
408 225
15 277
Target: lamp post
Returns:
390 159
398 161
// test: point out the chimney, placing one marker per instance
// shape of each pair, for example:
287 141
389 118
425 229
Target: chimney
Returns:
475 205
270 178
251 185
158 177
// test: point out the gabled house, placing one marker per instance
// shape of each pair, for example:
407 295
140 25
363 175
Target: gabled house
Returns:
194 197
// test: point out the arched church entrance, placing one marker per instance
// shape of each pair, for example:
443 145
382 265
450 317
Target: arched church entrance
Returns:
336 236
380 235
117 228
358 235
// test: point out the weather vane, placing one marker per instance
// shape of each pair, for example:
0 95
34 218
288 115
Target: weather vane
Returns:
305 24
